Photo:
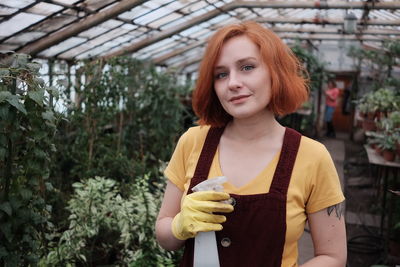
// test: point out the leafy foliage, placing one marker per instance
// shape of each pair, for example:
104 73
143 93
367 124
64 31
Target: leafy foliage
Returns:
127 119
379 63
27 126
124 124
105 227
316 72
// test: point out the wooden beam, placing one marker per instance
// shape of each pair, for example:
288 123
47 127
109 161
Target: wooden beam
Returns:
317 5
177 52
76 28
281 30
248 4
169 32
335 37
326 21
294 36
334 31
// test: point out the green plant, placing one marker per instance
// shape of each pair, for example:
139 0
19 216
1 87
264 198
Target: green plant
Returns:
127 119
106 227
395 118
378 63
383 100
27 128
124 125
388 143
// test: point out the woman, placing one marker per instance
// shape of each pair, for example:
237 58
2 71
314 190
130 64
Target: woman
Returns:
277 179
332 94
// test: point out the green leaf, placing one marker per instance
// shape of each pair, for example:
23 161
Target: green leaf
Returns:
34 66
39 81
25 193
4 111
3 252
6 207
37 96
6 229
4 72
49 186
48 115
53 91
3 152
20 61
4 95
14 101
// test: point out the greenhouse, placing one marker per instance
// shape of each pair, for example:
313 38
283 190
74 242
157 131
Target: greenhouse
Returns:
114 113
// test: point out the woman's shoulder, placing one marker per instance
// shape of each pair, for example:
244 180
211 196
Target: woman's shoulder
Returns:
194 135
312 147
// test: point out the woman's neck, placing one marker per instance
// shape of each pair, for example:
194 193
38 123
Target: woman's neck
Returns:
255 129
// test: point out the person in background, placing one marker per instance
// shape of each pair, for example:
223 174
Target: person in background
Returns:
277 178
332 94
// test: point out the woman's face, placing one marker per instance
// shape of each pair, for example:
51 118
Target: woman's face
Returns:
241 79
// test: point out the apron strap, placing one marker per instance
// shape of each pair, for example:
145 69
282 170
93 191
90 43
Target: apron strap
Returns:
206 156
287 158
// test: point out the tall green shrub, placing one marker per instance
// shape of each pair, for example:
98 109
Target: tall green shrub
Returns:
126 120
27 127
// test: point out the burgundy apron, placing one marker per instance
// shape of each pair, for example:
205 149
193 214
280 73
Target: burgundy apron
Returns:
254 233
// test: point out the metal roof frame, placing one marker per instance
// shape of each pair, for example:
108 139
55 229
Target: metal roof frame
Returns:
168 31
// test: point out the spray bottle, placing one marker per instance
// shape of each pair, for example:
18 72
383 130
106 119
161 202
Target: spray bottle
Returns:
205 243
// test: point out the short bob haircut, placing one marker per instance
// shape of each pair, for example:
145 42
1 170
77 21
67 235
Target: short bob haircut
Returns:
289 85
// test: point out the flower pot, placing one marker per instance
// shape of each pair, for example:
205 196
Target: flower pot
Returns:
369 125
389 155
372 145
378 150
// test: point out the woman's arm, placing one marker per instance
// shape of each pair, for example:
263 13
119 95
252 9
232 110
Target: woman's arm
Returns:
170 206
328 232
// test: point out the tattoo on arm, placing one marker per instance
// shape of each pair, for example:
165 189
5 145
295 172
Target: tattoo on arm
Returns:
336 209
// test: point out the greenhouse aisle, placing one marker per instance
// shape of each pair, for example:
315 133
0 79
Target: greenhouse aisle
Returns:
336 148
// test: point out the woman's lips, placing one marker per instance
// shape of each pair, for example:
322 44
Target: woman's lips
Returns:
238 99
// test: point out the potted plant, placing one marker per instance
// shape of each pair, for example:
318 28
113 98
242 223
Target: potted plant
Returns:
388 145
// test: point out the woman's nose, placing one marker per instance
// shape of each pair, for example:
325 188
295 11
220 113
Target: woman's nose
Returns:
234 81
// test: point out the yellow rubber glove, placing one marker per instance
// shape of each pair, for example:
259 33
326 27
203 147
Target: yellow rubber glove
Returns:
196 214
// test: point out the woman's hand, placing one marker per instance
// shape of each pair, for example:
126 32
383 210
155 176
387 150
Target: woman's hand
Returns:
197 214
193 208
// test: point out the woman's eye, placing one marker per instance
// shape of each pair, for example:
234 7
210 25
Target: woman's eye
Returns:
247 67
220 75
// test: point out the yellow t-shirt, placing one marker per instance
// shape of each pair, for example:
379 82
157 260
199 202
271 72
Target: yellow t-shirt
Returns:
314 184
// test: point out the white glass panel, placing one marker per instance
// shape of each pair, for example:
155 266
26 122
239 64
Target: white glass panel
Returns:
165 20
93 32
196 6
75 51
154 15
18 22
25 37
134 13
111 23
16 3
129 27
107 36
7 10
44 9
61 47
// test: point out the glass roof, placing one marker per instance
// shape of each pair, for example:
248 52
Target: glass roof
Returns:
174 32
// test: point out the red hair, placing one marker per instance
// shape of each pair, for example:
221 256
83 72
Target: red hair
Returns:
289 88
